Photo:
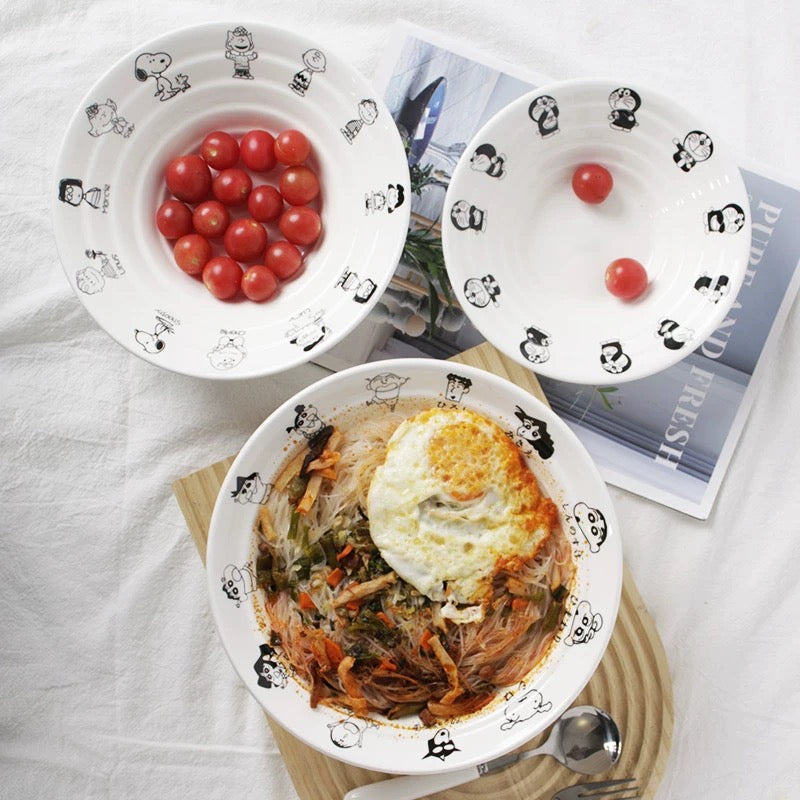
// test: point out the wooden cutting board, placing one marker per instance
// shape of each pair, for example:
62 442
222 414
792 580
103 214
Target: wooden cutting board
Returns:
632 682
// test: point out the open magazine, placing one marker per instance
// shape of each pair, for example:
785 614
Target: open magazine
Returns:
668 437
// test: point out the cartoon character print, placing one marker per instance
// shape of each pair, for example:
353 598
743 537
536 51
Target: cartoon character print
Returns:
479 292
536 345
152 342
624 104
523 705
239 48
532 435
271 674
362 289
457 387
728 219
251 489
385 389
704 285
72 192
103 118
306 421
543 110
486 159
696 147
313 61
238 583
441 745
347 733
390 200
583 624
154 65
613 358
592 524
307 330
674 335
92 279
467 217
228 353
367 114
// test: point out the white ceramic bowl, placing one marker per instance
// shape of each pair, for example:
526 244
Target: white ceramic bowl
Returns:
109 183
566 474
527 258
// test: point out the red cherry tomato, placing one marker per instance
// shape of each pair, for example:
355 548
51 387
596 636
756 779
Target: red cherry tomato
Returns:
298 185
300 225
265 203
211 219
232 186
245 239
258 283
592 183
188 178
174 219
192 253
284 259
257 150
220 150
222 277
626 278
292 147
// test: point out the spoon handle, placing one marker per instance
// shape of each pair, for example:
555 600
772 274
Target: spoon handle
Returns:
409 787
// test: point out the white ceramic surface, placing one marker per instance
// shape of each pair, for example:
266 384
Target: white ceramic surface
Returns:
527 258
566 474
109 183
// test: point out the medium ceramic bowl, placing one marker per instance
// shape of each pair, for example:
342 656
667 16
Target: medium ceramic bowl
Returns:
158 102
527 258
518 712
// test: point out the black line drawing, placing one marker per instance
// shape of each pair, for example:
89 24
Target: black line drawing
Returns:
592 524
385 389
307 329
543 110
728 219
362 289
486 159
704 283
581 625
103 118
271 674
624 104
154 65
92 279
536 345
523 705
238 582
479 292
313 61
457 387
251 489
72 192
239 48
349 732
674 335
388 200
532 435
613 358
466 216
152 342
367 114
696 147
441 745
306 421
228 353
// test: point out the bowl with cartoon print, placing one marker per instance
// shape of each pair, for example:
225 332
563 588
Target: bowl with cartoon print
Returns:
159 101
527 256
565 472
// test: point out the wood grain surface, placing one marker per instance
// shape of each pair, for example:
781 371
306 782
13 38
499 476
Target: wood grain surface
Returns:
632 681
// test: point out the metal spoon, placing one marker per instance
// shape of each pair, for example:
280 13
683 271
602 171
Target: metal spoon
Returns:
584 739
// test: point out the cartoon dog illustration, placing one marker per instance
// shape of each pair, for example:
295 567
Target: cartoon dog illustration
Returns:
153 65
152 342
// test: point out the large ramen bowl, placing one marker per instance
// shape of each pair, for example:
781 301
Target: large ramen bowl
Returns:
158 102
517 712
527 258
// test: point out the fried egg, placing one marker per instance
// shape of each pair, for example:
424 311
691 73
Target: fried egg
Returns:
451 501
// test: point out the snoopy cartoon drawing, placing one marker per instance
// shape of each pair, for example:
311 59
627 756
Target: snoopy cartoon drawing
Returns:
152 342
154 65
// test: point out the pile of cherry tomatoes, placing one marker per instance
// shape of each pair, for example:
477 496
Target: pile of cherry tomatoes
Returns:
218 214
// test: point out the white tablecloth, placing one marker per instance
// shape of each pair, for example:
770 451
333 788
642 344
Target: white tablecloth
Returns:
113 681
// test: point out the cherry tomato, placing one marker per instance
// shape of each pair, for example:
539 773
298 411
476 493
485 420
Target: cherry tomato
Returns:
300 225
592 183
257 150
298 185
174 219
292 147
188 178
265 203
192 253
222 277
211 219
232 186
626 278
258 283
283 258
220 150
245 239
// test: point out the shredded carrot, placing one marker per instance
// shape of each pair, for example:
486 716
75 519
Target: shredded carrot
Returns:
384 618
425 640
353 605
334 651
335 577
348 548
519 604
387 664
305 601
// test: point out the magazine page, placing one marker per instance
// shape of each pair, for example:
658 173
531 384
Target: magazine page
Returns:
668 437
